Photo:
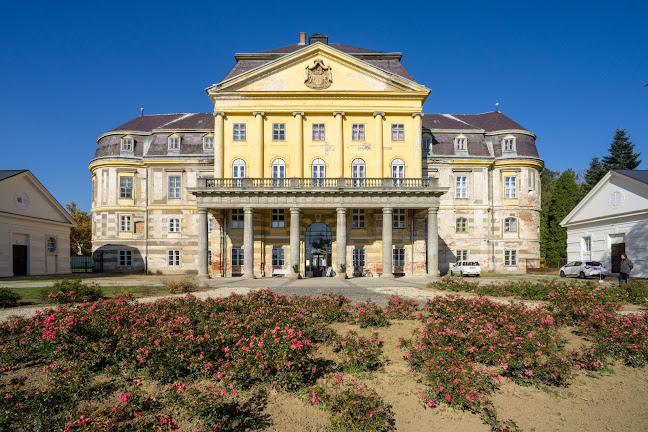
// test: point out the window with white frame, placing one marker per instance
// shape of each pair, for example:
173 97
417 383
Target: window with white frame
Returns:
358 171
237 218
125 258
174 187
318 172
51 244
461 190
174 257
399 218
398 172
318 132
238 132
510 258
358 218
278 257
460 143
398 132
174 225
174 142
462 255
510 224
508 143
398 257
124 223
358 132
237 256
210 224
510 187
127 144
208 142
462 224
238 171
278 132
359 257
426 145
278 172
278 218
587 244
126 187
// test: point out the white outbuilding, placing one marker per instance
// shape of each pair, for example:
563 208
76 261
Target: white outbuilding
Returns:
34 227
612 219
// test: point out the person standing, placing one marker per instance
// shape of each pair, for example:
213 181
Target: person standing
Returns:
625 269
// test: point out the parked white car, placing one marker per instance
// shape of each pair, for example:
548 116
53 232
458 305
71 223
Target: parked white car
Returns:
584 269
466 268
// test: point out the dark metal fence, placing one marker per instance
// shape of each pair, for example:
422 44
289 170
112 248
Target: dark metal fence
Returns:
87 263
544 265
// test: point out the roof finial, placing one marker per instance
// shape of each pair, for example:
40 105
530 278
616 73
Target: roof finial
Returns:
496 105
142 111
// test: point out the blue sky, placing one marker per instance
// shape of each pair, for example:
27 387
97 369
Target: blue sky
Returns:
571 72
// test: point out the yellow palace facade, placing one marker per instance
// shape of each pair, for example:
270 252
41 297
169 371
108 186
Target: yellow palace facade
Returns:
316 159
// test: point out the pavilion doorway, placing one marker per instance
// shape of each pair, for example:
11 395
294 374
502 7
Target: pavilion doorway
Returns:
317 250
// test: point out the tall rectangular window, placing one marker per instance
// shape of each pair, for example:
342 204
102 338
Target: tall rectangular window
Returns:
398 132
237 218
510 224
426 146
510 257
210 227
124 223
208 142
510 187
125 258
174 187
278 256
127 144
239 132
278 218
461 144
462 187
126 187
462 225
174 143
318 132
358 218
174 257
358 132
398 257
278 132
399 218
462 255
359 257
508 144
237 256
587 244
174 225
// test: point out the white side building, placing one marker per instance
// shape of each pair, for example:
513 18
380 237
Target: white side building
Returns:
34 227
612 219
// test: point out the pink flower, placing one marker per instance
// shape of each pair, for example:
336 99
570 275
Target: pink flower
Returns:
448 398
125 396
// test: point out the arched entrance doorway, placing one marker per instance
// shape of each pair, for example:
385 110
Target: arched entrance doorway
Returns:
317 249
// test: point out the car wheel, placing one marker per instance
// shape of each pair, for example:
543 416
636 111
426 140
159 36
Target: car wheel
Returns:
581 275
451 273
562 273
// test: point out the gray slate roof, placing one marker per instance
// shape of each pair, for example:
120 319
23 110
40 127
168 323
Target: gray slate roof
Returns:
5 174
641 175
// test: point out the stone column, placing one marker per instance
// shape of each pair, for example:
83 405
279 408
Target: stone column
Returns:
387 242
258 162
339 144
340 237
248 243
219 145
433 242
298 170
294 238
378 144
202 243
417 169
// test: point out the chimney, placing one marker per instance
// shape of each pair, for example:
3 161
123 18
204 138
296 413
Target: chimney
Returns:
318 37
302 38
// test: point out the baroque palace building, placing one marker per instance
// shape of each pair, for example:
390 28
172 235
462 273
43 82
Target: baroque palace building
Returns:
317 157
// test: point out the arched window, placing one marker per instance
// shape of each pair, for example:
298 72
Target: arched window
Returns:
318 172
278 172
358 171
238 171
398 172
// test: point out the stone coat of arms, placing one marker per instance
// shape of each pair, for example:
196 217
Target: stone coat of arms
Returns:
318 76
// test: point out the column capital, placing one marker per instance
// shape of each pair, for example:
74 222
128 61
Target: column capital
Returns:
298 113
433 210
258 113
341 210
417 114
248 210
379 113
295 210
219 113
387 210
202 210
337 113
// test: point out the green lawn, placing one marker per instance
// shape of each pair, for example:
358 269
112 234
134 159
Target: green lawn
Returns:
31 293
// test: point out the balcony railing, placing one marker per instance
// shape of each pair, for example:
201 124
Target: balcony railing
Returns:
319 183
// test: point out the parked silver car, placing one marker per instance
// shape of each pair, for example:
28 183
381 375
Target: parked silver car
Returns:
466 268
584 269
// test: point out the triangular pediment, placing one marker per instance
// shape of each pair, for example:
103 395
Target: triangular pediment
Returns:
317 68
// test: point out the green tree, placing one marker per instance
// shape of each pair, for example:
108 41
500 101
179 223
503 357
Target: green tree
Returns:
593 174
564 197
547 183
80 235
622 155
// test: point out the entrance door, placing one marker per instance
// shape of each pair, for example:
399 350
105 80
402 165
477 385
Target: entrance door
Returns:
617 250
19 260
318 240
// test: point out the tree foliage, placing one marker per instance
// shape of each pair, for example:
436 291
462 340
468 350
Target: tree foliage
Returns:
81 235
565 195
548 181
622 155
593 174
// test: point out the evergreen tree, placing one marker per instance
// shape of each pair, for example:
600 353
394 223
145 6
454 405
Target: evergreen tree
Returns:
593 174
547 182
564 197
622 155
80 235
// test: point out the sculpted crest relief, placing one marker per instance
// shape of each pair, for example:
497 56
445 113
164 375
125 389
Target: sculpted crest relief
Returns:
318 76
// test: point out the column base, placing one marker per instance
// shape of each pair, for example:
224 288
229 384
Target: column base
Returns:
203 277
248 277
387 276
